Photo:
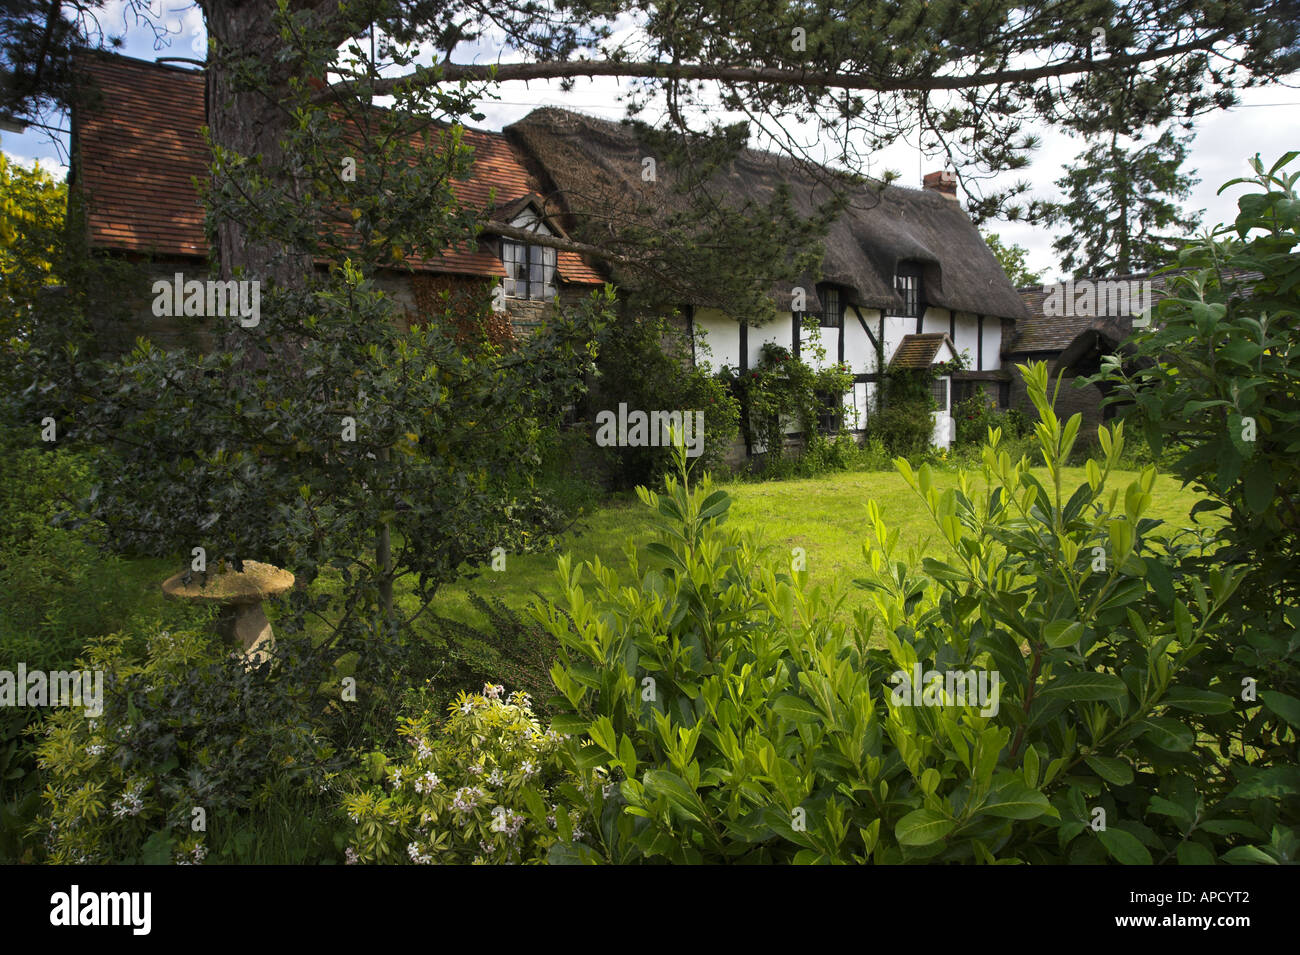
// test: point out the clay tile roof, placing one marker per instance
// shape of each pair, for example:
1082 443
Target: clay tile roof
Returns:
139 149
919 351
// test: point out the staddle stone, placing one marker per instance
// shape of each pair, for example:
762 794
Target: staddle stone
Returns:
242 621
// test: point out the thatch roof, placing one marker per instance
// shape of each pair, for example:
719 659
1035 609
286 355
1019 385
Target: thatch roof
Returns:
596 168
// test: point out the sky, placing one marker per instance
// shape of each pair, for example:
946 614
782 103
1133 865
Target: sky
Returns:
1267 121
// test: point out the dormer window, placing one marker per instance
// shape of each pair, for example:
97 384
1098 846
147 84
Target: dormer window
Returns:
530 269
907 283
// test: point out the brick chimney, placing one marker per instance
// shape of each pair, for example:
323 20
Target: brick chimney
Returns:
944 183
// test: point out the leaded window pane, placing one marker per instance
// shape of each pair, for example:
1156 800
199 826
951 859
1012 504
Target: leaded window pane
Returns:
530 270
939 390
830 317
908 287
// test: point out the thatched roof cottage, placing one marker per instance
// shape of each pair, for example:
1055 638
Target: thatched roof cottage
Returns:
904 271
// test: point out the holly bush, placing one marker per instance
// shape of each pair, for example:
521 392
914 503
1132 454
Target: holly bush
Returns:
189 740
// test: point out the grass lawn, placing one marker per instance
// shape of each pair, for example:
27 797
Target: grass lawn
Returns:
826 516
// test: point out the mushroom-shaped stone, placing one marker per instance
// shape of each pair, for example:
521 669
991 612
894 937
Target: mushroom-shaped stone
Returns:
240 595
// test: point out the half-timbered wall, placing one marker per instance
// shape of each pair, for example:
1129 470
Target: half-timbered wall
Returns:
739 346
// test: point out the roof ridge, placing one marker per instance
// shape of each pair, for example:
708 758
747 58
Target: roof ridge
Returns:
749 152
137 61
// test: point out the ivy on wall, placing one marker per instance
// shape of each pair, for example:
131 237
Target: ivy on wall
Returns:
782 389
468 303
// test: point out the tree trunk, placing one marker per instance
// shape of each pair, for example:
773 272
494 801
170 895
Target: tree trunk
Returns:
251 123
384 555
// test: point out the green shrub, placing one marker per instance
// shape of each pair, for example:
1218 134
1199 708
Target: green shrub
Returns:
474 789
820 455
57 587
451 655
1212 386
184 727
19 792
748 721
646 363
978 413
904 429
783 392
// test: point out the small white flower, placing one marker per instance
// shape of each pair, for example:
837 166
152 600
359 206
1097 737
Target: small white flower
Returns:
130 803
528 769
466 799
351 857
418 857
514 822
427 783
493 691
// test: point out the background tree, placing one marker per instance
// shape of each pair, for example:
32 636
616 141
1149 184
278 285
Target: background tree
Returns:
338 435
32 204
39 41
863 74
1012 259
1122 206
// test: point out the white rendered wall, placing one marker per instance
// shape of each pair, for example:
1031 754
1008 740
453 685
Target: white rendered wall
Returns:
992 344
722 336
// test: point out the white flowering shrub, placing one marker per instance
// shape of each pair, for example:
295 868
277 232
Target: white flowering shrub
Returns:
473 788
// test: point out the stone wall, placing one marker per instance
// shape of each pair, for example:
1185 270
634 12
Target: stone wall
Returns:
131 316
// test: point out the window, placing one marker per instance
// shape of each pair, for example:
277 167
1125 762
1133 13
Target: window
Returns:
530 270
939 391
832 311
907 282
830 414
